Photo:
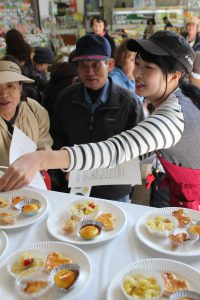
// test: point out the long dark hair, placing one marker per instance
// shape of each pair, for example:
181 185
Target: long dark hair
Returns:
17 46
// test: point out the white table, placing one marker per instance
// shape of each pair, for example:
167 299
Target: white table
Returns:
107 259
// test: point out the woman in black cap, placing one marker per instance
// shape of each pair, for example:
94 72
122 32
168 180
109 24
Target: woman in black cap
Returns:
172 130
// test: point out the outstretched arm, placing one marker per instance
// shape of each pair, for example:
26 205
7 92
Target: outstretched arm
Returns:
23 170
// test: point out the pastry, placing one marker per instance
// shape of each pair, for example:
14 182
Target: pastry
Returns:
65 278
7 218
35 286
70 225
108 220
194 229
26 261
182 217
3 203
30 209
55 259
89 232
173 283
178 239
17 199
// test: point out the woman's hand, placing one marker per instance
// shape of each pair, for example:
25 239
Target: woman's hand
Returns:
23 170
20 173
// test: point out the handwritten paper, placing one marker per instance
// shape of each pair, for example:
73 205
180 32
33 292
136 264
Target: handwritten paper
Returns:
126 173
20 145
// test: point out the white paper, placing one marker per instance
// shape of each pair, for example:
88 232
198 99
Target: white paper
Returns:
20 145
126 173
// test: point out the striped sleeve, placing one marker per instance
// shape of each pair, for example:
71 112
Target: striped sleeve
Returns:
161 130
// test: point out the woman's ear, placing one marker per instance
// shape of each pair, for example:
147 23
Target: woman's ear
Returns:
174 77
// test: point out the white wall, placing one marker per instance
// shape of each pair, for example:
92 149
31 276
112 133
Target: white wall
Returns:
44 8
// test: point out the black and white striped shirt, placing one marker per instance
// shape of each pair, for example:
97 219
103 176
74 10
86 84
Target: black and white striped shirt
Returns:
161 130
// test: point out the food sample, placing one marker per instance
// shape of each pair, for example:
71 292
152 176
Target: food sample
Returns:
173 283
4 203
108 220
70 225
8 217
160 223
179 239
89 232
26 261
35 286
141 287
30 209
65 278
56 259
182 217
17 199
85 208
194 229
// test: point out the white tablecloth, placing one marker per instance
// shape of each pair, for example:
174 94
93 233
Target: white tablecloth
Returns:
107 259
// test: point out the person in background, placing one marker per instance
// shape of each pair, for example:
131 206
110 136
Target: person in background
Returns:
43 57
22 52
62 75
194 76
15 110
150 28
94 109
172 129
167 23
191 34
18 47
98 25
122 74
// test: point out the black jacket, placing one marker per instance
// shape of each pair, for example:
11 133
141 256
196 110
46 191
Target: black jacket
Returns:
196 45
112 43
73 123
63 75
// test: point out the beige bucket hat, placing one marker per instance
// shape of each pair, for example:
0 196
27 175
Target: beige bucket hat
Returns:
193 19
10 72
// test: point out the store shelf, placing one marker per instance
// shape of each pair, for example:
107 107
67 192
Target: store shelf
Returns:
136 19
16 12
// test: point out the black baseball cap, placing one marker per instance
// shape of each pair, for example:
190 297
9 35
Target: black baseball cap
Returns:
166 43
43 55
92 47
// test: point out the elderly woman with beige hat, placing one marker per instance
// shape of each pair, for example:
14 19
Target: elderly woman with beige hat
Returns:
191 34
28 115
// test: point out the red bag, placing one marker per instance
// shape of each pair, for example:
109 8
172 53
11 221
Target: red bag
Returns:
47 179
184 185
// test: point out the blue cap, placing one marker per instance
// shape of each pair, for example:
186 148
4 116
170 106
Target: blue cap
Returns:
92 47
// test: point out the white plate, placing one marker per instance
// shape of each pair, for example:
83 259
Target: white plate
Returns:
3 243
163 245
77 255
22 220
155 264
56 222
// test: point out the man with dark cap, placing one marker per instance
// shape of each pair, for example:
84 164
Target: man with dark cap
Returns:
37 69
94 109
42 58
